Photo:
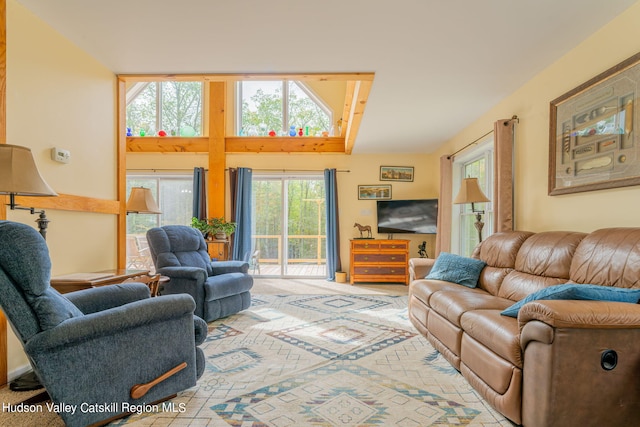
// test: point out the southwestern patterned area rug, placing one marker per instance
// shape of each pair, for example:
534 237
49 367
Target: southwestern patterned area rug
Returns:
323 360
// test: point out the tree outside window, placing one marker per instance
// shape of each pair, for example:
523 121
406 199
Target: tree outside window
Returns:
280 106
173 107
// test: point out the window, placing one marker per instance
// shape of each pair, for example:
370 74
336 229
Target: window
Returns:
173 107
282 107
174 195
476 164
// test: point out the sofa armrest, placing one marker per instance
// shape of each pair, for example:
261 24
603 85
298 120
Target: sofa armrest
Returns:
104 297
541 317
192 273
582 355
224 267
419 268
581 314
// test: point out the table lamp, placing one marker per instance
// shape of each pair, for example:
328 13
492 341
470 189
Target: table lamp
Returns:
470 192
141 201
19 176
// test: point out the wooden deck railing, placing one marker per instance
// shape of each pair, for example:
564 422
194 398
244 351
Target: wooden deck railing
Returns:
319 259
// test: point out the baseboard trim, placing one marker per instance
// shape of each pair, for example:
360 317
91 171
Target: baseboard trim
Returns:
15 373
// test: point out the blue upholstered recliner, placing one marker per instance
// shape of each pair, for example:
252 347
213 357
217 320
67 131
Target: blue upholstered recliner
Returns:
96 346
220 288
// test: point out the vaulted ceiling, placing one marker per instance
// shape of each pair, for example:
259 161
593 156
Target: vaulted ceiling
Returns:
439 65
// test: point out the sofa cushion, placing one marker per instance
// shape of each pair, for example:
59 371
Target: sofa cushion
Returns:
572 291
452 304
543 260
609 257
499 252
457 269
498 333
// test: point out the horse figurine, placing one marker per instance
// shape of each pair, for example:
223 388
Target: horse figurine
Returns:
362 228
422 249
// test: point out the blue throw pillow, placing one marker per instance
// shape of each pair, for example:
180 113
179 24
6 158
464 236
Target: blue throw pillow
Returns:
457 269
574 291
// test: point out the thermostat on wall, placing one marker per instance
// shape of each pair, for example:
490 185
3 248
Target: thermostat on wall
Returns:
60 155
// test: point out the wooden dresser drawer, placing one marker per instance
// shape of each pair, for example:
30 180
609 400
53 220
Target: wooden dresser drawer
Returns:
377 271
365 244
379 258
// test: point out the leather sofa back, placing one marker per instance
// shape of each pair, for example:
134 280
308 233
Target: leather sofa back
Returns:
544 259
499 251
608 257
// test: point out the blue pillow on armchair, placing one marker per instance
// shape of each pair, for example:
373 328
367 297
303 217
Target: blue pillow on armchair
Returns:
457 269
573 291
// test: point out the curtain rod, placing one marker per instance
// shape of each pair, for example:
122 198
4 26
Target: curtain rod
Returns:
514 117
470 144
259 170
159 170
295 170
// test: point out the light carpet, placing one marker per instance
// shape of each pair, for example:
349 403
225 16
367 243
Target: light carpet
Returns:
323 360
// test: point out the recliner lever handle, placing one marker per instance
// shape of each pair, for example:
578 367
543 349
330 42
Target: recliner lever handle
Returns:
139 390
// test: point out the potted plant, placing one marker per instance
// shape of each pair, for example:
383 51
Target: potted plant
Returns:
220 228
200 224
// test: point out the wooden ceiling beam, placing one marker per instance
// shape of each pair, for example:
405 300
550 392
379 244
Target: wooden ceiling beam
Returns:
233 77
240 144
353 117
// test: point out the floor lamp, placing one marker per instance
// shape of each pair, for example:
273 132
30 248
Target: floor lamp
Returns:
470 192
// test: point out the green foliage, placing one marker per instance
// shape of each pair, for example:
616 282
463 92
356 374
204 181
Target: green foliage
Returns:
201 225
211 226
305 216
220 225
267 113
181 106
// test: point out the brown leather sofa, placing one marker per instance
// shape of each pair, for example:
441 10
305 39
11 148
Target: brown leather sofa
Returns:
561 362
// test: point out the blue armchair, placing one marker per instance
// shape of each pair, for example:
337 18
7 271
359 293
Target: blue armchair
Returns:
102 345
220 288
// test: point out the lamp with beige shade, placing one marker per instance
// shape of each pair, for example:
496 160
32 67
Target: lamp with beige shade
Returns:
19 176
141 201
470 192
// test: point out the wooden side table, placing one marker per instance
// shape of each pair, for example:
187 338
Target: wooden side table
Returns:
218 249
78 281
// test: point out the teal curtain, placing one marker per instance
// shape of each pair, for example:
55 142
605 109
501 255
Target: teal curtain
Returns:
333 229
240 180
199 194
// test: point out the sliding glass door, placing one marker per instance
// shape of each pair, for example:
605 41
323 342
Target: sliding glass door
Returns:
289 225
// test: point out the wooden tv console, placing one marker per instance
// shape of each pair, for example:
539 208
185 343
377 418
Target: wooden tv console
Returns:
379 261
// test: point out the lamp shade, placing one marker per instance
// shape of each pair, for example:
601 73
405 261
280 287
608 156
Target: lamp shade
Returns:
141 201
19 174
470 192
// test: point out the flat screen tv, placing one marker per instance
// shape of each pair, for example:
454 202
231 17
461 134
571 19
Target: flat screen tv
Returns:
407 216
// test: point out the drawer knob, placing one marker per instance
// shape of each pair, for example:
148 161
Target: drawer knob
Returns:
366 258
393 257
366 271
393 271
